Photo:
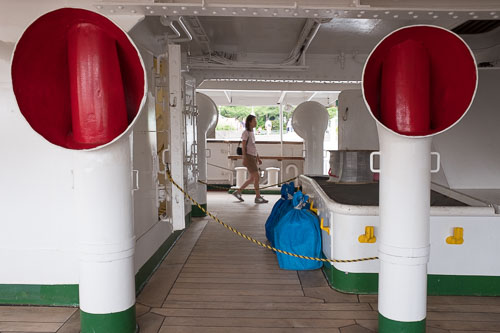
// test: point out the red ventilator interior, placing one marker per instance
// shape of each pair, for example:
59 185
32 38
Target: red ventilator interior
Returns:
419 80
77 78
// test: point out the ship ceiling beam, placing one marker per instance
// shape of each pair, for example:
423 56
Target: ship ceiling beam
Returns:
294 61
312 96
282 97
200 36
228 96
278 85
459 10
306 36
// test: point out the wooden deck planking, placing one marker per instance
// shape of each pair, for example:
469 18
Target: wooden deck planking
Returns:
215 281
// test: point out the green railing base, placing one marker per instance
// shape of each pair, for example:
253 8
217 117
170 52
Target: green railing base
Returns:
197 212
437 285
386 325
118 322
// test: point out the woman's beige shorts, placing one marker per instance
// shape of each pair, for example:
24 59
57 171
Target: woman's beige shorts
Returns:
250 162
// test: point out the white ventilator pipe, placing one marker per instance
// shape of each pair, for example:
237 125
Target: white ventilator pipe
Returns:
405 165
89 80
310 120
419 81
208 115
103 187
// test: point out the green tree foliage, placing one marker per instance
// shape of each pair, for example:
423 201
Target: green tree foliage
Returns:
225 128
332 112
237 112
262 113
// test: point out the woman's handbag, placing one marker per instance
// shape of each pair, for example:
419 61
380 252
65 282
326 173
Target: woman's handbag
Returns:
239 150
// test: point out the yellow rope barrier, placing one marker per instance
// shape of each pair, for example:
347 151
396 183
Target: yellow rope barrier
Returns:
261 188
257 241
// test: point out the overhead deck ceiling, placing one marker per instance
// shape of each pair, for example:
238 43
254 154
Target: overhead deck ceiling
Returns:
282 45
269 97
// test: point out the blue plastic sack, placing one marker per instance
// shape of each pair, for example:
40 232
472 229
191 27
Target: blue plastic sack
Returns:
285 201
298 232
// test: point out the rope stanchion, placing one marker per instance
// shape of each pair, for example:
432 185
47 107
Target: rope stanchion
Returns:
259 243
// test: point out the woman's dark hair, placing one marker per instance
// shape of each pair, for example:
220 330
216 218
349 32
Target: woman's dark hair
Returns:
248 121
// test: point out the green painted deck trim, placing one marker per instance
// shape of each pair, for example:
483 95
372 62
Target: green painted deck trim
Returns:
437 285
386 325
197 212
67 294
28 294
118 322
353 283
463 285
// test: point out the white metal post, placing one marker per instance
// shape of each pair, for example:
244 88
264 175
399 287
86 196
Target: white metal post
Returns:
403 83
405 163
103 187
207 119
281 140
176 135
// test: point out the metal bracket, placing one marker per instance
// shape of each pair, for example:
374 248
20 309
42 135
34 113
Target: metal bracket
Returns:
163 156
173 100
136 180
438 161
322 227
371 162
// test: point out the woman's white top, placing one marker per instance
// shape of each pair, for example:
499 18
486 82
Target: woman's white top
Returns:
250 145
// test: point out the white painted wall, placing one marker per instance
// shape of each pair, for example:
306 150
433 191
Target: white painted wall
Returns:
470 153
38 233
150 232
38 238
144 157
357 130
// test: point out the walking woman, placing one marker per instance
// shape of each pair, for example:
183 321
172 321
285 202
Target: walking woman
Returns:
250 160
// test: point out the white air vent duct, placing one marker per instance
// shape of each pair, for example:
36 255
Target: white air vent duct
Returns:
310 120
208 116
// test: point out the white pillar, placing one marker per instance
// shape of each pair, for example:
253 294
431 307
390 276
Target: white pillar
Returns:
405 165
241 176
104 213
176 135
272 175
207 119
282 149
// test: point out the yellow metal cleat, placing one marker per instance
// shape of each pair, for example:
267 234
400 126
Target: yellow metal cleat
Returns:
315 210
457 238
322 227
368 236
